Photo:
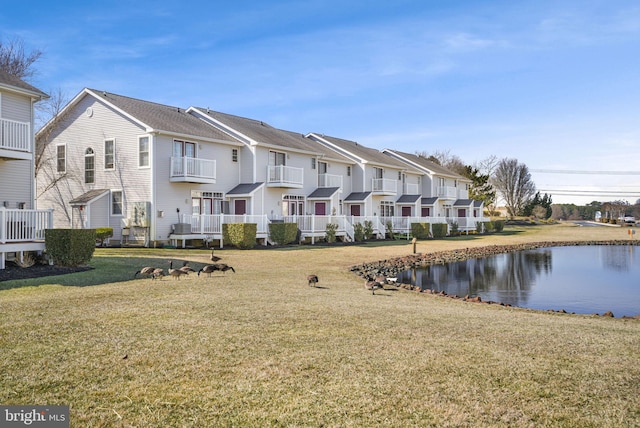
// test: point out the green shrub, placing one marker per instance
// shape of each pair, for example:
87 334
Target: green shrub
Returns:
439 230
70 247
283 233
103 233
358 232
498 225
241 235
389 230
368 229
330 232
420 230
455 229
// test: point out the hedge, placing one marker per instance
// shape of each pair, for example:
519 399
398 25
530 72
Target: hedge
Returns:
70 247
283 233
241 235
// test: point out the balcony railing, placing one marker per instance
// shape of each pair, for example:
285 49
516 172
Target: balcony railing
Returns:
15 135
447 192
411 189
385 186
24 225
329 180
211 224
284 176
193 170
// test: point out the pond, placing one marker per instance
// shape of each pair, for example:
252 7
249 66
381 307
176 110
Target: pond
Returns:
582 279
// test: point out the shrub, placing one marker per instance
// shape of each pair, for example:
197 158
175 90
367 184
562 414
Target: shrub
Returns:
389 230
283 233
368 229
455 229
481 227
358 232
420 230
103 233
70 247
439 230
330 231
498 225
241 235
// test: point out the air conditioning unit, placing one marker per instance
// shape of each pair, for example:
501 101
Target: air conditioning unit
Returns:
182 228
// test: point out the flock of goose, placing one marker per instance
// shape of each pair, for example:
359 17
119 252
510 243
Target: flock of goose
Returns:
185 269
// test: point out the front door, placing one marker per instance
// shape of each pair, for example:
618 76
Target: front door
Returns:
321 208
240 206
355 210
406 211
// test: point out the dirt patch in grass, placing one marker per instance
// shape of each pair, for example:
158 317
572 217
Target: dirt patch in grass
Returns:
13 271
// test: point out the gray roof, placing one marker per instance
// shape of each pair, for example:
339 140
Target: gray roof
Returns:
323 192
244 189
427 164
463 203
88 197
478 204
161 117
408 199
357 196
263 133
428 201
366 153
13 82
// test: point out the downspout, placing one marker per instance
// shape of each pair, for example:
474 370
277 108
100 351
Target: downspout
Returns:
153 217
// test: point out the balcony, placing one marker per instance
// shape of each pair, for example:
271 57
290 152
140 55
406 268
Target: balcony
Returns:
411 189
284 176
384 186
192 170
329 180
22 230
15 139
447 192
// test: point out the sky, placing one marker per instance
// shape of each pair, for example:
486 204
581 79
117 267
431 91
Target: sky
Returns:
554 84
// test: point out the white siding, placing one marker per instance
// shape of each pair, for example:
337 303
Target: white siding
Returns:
15 176
15 107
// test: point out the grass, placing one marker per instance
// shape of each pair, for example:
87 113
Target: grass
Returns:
261 348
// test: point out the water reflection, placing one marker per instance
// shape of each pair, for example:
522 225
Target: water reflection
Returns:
528 279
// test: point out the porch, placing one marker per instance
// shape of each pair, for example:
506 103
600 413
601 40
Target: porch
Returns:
22 230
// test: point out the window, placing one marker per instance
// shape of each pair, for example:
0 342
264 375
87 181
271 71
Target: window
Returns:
61 156
89 166
206 202
293 204
386 208
184 149
348 171
377 172
313 163
322 167
277 158
109 154
234 155
116 202
143 151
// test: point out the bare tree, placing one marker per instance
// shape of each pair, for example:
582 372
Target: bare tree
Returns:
513 181
16 61
445 159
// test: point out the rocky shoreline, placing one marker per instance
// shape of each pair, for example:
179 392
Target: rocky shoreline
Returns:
390 268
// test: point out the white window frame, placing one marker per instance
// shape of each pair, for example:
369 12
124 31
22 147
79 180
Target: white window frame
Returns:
141 152
115 204
112 166
89 152
64 159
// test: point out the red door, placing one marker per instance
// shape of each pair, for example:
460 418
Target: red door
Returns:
321 208
355 210
426 212
240 206
462 212
406 211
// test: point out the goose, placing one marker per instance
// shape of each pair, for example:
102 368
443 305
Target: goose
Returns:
214 258
186 268
208 269
223 267
158 272
313 280
175 273
372 285
147 270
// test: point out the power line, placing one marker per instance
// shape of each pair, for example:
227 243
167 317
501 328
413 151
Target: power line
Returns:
570 171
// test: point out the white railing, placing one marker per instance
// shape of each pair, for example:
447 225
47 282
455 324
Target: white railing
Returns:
403 224
411 189
15 135
384 185
193 167
317 224
329 180
288 175
449 192
378 226
24 225
211 224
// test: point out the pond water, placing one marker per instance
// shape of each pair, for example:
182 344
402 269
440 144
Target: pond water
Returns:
581 279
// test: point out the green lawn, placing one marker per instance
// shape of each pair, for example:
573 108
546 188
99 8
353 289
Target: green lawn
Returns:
262 348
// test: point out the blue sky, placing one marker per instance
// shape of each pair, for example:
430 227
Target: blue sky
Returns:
554 84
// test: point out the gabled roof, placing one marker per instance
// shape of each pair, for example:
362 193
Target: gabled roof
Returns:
423 163
256 132
463 203
428 201
323 193
89 197
154 117
13 83
358 152
244 189
357 197
408 199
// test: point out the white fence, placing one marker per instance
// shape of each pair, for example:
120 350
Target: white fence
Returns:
15 135
24 225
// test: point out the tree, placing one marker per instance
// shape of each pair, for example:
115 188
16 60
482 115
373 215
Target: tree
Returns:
513 181
543 202
481 189
15 61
